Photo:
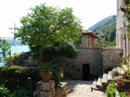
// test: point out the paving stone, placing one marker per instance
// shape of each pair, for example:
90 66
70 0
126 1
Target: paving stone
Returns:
83 89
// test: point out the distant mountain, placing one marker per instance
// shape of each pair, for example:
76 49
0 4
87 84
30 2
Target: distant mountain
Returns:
12 41
105 30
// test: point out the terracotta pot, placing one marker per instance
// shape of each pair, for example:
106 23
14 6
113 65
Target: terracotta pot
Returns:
46 76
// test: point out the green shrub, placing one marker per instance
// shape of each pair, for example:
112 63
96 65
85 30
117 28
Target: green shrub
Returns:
4 92
58 73
128 72
122 94
20 93
110 90
11 68
10 59
16 77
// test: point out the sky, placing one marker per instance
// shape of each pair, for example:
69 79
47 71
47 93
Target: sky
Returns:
88 11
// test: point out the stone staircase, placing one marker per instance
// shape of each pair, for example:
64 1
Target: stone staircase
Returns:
102 82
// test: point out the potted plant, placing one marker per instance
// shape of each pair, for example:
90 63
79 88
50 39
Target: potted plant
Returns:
46 71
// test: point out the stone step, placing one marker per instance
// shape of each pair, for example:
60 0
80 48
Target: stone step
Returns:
110 77
105 76
102 82
94 85
99 82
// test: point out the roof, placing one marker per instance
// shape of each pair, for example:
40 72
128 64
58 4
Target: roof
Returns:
90 33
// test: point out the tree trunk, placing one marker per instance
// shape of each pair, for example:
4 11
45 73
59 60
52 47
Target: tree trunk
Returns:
40 56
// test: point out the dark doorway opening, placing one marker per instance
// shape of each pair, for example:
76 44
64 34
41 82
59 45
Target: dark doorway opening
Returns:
86 72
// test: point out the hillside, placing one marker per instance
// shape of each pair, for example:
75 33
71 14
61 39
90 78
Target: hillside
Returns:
12 41
105 30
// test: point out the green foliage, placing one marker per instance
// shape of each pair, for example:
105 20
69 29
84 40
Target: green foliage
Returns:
127 12
20 93
103 43
57 71
4 92
122 94
16 77
59 50
10 59
110 90
11 68
128 27
128 72
106 31
123 60
45 67
126 1
4 49
44 26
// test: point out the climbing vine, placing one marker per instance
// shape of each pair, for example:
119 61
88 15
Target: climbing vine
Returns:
127 13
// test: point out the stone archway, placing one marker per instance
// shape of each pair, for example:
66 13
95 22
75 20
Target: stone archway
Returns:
86 72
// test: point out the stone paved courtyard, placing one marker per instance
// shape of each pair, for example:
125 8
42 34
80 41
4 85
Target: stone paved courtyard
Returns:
82 89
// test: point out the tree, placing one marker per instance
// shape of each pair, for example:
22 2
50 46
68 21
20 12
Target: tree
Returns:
4 49
45 26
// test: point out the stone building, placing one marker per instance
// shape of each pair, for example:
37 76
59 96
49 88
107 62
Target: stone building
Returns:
88 40
91 61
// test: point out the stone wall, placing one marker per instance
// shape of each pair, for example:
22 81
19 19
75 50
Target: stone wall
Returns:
111 58
98 59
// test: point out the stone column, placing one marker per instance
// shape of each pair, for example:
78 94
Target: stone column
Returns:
45 89
119 25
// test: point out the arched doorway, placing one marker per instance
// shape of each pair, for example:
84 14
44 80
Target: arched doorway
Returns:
85 71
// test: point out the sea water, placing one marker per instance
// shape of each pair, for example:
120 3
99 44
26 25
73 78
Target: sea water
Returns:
17 49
